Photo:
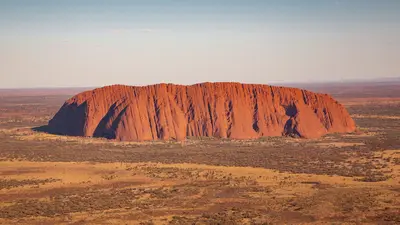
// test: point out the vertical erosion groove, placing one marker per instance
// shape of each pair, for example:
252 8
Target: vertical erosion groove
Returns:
168 111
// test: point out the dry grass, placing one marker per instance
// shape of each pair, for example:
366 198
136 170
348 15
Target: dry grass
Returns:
190 193
375 117
339 144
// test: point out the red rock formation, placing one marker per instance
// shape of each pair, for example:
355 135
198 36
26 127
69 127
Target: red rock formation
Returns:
226 110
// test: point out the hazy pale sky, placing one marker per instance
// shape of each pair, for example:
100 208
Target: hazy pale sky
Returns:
94 43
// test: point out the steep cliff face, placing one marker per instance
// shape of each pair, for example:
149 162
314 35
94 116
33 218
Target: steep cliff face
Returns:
225 110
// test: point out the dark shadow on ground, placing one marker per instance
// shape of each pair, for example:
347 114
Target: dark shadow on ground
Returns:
44 128
48 130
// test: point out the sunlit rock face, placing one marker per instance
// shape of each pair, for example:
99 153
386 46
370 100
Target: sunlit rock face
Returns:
224 110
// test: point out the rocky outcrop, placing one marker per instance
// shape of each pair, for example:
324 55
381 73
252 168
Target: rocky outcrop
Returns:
225 110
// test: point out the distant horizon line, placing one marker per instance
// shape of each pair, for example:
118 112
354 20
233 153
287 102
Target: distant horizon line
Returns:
349 81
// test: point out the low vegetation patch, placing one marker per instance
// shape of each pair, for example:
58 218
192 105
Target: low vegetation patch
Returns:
13 183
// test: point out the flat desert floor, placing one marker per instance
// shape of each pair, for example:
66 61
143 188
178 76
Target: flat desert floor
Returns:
338 179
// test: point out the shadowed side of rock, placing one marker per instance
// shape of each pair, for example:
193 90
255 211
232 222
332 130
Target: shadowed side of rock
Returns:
225 110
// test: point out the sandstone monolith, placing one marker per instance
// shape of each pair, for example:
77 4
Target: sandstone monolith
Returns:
223 110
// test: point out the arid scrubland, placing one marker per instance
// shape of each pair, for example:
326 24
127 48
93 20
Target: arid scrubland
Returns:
337 179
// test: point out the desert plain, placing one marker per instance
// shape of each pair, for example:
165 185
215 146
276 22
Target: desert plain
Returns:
349 178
